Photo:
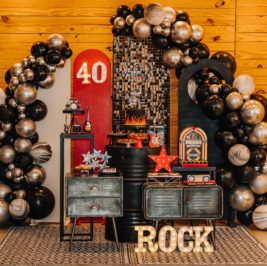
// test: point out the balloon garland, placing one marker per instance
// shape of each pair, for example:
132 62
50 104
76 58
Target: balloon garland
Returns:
242 136
22 193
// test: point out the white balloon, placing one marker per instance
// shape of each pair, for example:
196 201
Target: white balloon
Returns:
244 83
2 96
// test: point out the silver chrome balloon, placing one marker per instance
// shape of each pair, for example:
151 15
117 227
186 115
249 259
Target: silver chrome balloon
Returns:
252 112
181 32
7 154
14 81
16 70
244 83
19 209
2 134
141 29
12 102
56 41
41 152
4 212
25 62
259 184
20 193
130 19
239 154
48 82
258 134
25 93
29 74
119 23
22 145
197 32
31 59
6 126
170 14
246 96
2 96
234 100
26 128
241 198
36 176
172 57
4 190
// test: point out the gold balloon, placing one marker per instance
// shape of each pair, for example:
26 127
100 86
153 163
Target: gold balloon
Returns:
157 29
197 32
166 23
7 154
48 82
187 60
258 135
26 128
141 29
119 23
252 112
130 19
56 40
154 14
166 32
181 32
22 145
259 184
172 57
16 70
25 93
234 100
170 14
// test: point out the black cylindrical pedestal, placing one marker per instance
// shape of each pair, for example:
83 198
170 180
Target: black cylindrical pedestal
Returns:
134 165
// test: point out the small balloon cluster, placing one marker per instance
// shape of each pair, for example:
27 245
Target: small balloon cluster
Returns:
170 30
21 176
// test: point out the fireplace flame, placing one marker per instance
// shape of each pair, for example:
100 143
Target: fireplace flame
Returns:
135 121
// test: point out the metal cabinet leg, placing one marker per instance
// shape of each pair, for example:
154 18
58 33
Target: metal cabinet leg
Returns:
72 233
115 233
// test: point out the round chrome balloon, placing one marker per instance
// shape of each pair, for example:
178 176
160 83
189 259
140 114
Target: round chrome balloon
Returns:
4 211
20 193
26 128
51 69
259 217
16 172
258 135
214 88
234 100
16 70
166 32
48 82
14 81
119 23
244 83
25 62
157 29
56 41
11 166
172 57
22 78
259 184
9 175
12 102
18 179
187 60
4 190
241 198
21 108
2 134
245 96
22 145
181 32
22 116
19 209
36 176
25 94
31 59
141 29
170 14
41 152
252 112
130 19
6 126
166 23
239 154
40 60
197 33
29 74
154 15
7 154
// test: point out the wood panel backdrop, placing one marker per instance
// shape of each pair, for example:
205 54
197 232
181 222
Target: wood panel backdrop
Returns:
236 26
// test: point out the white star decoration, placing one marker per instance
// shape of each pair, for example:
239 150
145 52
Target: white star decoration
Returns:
96 159
105 157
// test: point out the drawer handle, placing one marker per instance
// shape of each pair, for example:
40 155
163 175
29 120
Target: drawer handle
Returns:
94 207
93 188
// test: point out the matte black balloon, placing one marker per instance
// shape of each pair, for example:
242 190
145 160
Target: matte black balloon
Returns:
66 52
183 17
112 18
204 51
160 41
225 139
245 218
227 59
202 93
231 120
10 196
193 52
53 57
39 49
257 157
40 73
245 173
23 161
42 202
7 76
7 114
123 11
225 178
213 106
138 11
37 110
116 31
225 90
34 138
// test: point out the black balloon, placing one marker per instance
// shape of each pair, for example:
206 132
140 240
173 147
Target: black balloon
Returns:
9 139
23 161
193 52
231 120
203 49
3 170
225 139
202 76
260 200
7 114
257 157
39 49
41 201
10 197
227 59
34 138
37 110
112 18
123 11
202 93
225 178
213 106
239 132
7 76
53 57
138 11
9 92
183 16
66 52
225 90
126 31
245 173
16 186
245 218
160 41
214 80
116 31
40 73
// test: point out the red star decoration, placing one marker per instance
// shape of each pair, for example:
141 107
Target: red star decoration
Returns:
163 160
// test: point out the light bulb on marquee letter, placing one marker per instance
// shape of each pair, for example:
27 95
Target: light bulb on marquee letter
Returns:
146 239
162 239
199 239
181 245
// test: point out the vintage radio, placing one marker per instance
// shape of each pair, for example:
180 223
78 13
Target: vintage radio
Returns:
193 146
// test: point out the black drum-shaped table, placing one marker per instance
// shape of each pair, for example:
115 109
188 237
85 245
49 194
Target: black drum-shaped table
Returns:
134 164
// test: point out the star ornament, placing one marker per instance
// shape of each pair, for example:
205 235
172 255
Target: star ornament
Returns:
163 160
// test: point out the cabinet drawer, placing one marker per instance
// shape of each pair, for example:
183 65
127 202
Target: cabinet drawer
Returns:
163 203
94 187
86 207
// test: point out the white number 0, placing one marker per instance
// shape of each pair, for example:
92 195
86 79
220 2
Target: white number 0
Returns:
83 73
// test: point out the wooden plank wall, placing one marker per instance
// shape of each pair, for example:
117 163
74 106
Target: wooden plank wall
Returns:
237 26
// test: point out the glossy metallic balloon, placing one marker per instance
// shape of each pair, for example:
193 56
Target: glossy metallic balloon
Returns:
6 126
181 32
241 198
48 82
22 78
259 184
187 60
31 59
244 83
258 134
25 62
2 134
259 217
12 102
40 60
19 209
21 108
4 190
25 94
157 29
166 23
130 19
22 116
154 15
20 193
197 32
172 57
16 172
61 64
4 211
119 23
141 29
11 166
51 69
18 179
22 145
41 152
170 14
7 154
16 70
56 41
36 176
234 100
239 154
29 74
14 81
9 175
252 112
26 128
